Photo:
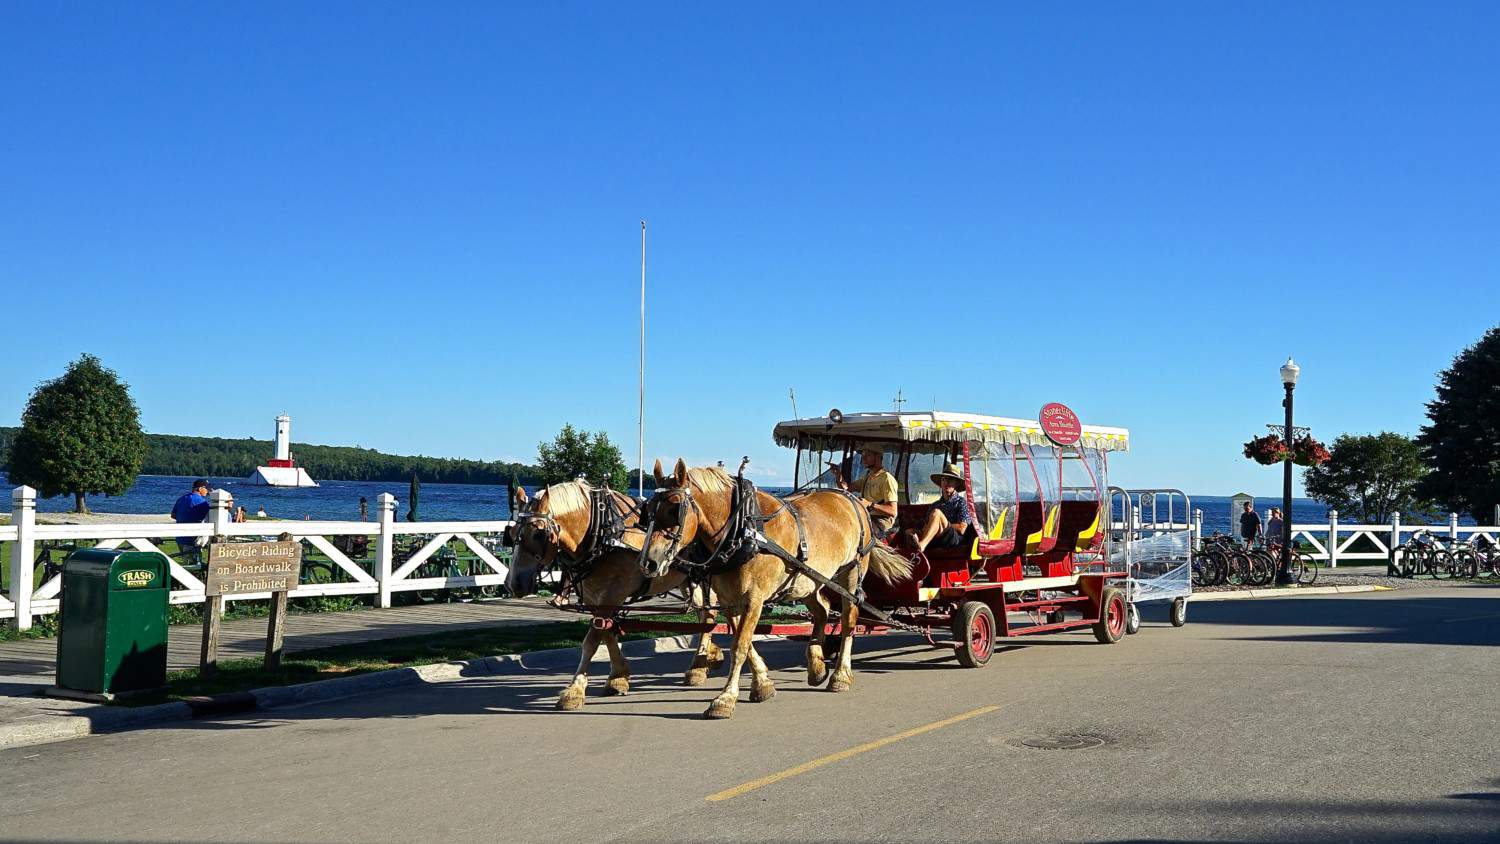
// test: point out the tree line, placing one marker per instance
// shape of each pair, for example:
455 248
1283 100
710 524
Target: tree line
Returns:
219 457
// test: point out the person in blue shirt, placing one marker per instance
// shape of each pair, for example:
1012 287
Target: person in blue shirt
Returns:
950 515
191 508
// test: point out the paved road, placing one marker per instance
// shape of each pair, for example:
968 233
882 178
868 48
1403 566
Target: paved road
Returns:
1363 718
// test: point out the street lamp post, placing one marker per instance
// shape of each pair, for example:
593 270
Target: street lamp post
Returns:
1289 372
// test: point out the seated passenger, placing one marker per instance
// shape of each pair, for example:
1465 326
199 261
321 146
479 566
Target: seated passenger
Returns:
950 516
876 490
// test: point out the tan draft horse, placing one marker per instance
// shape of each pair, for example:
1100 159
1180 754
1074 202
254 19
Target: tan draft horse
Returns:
693 506
550 532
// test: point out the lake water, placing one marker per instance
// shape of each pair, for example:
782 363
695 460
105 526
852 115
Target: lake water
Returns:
154 494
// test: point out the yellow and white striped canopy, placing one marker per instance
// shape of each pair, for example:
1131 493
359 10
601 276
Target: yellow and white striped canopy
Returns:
938 426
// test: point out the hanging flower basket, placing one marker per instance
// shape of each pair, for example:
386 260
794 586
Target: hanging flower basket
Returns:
1267 451
1309 452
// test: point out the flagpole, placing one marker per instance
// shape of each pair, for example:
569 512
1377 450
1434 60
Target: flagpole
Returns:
641 406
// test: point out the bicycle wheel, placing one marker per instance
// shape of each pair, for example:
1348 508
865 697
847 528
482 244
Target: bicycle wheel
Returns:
1295 567
1235 569
1257 572
1309 572
1490 563
1464 564
1202 571
1438 564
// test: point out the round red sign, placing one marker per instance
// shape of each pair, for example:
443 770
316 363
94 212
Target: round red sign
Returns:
1060 424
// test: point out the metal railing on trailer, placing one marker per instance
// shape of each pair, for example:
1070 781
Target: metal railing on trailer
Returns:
1153 547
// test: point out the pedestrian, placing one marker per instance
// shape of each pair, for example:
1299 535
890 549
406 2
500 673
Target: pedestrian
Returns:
1274 526
364 509
239 514
191 508
1249 524
261 512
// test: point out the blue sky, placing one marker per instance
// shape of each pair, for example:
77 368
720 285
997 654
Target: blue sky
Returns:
416 229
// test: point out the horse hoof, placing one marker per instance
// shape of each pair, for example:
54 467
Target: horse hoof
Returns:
720 709
762 693
696 677
817 672
570 701
841 682
617 686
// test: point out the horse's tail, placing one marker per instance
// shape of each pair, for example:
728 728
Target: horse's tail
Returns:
888 565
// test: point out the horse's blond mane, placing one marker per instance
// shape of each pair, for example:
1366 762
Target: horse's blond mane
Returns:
565 499
710 479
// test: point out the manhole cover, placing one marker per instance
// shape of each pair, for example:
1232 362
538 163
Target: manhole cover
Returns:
1060 742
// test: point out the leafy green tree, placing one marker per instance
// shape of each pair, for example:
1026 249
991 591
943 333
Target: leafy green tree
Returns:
80 433
1369 477
573 452
1461 442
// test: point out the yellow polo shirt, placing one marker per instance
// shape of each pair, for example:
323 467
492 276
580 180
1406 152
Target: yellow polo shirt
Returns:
879 487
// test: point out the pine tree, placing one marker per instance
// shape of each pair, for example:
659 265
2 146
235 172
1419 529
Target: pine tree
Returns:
1461 442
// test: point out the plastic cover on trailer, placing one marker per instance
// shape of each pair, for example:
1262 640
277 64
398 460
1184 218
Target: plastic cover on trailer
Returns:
1155 549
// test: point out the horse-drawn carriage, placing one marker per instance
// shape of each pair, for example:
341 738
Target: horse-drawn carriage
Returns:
1036 546
1033 555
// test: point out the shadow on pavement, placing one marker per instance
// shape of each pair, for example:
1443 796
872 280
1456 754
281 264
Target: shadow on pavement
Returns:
1435 820
1392 618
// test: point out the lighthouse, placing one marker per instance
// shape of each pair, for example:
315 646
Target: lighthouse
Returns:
281 469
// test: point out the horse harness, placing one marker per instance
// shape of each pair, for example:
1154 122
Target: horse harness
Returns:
745 538
604 534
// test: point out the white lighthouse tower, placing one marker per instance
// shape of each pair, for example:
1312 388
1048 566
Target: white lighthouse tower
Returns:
282 469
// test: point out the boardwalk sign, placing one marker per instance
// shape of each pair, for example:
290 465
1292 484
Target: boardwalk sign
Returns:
243 568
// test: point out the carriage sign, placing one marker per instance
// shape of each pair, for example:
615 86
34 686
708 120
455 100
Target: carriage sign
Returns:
241 568
1060 424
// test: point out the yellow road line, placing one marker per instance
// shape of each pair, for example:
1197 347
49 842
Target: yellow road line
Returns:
745 788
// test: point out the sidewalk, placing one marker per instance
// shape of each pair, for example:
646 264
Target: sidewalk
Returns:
28 666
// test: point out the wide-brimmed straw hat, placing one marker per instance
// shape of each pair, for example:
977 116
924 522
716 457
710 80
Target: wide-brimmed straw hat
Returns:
950 471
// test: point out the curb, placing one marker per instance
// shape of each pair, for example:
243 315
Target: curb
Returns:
1285 592
94 720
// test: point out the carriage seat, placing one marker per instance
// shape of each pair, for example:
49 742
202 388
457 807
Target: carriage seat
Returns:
1036 527
1079 525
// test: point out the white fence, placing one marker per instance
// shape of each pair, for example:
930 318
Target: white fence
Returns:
1334 542
383 577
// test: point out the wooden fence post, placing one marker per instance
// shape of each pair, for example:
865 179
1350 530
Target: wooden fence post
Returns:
213 612
275 630
1333 539
385 506
23 556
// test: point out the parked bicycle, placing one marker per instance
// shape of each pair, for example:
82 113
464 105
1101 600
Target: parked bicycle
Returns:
1424 553
1301 567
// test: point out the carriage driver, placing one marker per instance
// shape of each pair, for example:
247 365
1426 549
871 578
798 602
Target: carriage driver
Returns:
876 490
949 517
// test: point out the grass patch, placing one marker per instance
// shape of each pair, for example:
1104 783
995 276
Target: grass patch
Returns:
348 660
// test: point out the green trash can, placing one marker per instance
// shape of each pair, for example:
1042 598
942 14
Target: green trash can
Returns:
114 622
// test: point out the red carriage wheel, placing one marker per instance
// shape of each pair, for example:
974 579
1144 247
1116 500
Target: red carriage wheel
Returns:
1111 624
974 633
